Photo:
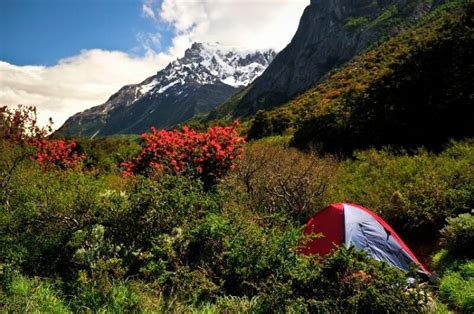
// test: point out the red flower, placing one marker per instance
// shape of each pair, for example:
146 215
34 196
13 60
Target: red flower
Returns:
207 155
20 126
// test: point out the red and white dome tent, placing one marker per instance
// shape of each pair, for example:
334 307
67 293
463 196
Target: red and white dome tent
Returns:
354 225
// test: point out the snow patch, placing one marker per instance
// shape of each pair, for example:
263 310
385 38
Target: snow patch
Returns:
203 64
165 88
148 87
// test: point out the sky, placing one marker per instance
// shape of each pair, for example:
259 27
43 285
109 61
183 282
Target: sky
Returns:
64 56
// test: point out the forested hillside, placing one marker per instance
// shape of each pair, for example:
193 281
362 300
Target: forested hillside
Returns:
414 89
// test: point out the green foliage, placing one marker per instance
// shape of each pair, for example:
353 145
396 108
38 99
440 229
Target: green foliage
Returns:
455 264
117 297
458 236
411 90
155 207
91 241
385 16
356 22
24 295
264 125
42 212
346 281
412 192
414 91
106 154
457 288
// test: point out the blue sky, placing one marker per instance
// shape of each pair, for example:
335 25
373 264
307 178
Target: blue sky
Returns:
45 31
64 56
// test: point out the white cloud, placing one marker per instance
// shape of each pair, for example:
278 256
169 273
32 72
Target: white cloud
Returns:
149 42
75 83
244 23
147 10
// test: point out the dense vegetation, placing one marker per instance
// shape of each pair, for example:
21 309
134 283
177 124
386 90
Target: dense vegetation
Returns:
414 89
88 238
196 220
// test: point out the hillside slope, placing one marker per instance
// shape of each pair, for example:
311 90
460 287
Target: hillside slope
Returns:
330 33
414 89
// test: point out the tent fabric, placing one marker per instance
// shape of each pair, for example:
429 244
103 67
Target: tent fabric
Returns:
395 244
366 233
354 225
329 222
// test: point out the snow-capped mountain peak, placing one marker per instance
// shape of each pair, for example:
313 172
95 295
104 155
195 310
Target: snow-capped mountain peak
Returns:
207 63
204 77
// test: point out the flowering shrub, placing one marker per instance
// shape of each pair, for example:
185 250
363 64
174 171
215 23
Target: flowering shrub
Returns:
206 155
20 126
57 153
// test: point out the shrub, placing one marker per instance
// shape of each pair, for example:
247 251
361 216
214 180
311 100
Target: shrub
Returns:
283 181
264 125
457 288
151 208
412 192
458 236
20 127
346 281
44 210
56 153
20 294
106 154
205 155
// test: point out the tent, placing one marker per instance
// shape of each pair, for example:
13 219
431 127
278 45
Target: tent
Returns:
354 225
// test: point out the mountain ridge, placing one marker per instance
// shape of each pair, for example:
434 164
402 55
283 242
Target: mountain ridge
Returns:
330 34
204 77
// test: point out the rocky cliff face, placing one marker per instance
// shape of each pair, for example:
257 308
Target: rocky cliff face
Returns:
195 84
330 33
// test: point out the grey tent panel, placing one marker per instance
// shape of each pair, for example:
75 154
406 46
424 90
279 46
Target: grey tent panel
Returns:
365 233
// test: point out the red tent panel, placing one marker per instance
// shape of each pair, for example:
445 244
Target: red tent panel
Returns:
329 222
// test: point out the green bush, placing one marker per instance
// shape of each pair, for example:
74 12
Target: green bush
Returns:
458 236
154 207
43 211
19 294
457 288
346 281
264 125
117 297
106 154
412 192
